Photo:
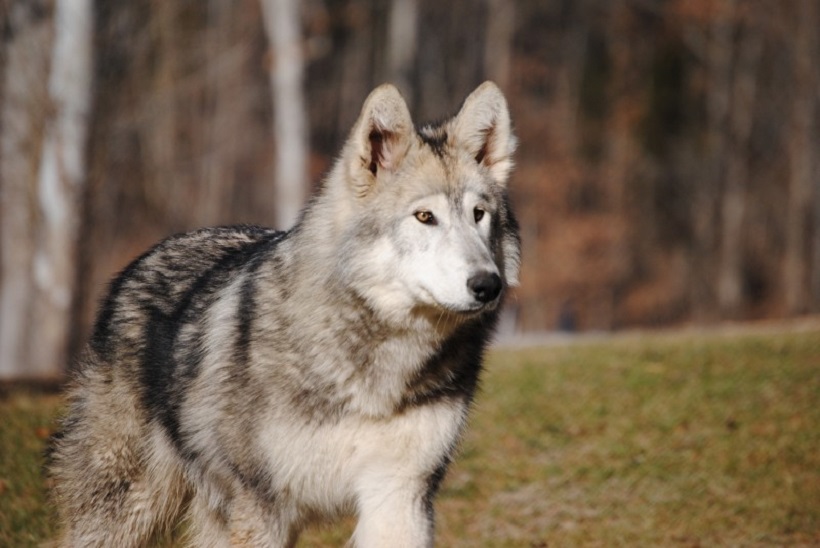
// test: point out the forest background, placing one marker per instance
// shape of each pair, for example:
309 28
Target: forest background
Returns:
667 171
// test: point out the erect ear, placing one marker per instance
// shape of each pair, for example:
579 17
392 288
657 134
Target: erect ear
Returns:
381 136
483 128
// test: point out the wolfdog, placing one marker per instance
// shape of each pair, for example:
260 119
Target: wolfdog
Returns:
252 381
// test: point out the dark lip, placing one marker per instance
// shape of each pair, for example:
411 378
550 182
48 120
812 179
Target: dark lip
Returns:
461 315
475 311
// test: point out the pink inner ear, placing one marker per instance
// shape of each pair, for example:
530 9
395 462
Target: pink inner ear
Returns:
379 149
485 147
376 144
481 153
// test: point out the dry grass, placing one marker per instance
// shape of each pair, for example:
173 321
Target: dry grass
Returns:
692 441
25 424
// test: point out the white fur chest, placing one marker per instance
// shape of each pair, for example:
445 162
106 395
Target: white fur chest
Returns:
330 466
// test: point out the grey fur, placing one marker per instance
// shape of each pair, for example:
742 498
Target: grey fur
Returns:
255 381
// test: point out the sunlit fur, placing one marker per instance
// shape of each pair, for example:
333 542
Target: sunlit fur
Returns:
253 381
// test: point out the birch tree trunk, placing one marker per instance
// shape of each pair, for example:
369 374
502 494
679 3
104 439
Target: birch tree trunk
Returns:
44 213
60 181
22 122
283 27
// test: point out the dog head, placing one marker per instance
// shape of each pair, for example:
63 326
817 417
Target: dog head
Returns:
427 217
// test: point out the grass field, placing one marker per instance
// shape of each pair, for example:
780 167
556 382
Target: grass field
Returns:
653 441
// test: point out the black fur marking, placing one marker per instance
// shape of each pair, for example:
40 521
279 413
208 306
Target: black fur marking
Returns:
452 373
434 484
165 373
112 493
435 138
246 314
50 451
157 372
257 481
103 330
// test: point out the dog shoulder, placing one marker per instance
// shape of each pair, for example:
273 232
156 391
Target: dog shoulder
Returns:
173 271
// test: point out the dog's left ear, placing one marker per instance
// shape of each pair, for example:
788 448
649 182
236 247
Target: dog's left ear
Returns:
381 136
484 129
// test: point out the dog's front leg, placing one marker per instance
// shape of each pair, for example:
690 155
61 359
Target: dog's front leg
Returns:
395 514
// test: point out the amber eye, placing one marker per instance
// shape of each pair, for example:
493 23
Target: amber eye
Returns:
425 217
478 214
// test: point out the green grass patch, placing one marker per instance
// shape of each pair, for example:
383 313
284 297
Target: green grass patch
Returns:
635 442
26 421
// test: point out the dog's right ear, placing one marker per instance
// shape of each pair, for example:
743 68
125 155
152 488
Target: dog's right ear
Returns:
380 137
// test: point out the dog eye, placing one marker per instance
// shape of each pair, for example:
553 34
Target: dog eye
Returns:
425 217
478 214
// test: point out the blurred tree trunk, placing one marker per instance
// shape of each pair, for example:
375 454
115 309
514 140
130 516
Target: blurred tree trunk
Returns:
815 248
575 48
45 108
629 53
802 148
498 43
706 194
283 26
450 60
735 195
401 46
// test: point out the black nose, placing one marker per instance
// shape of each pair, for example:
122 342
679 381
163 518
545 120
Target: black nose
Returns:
485 286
